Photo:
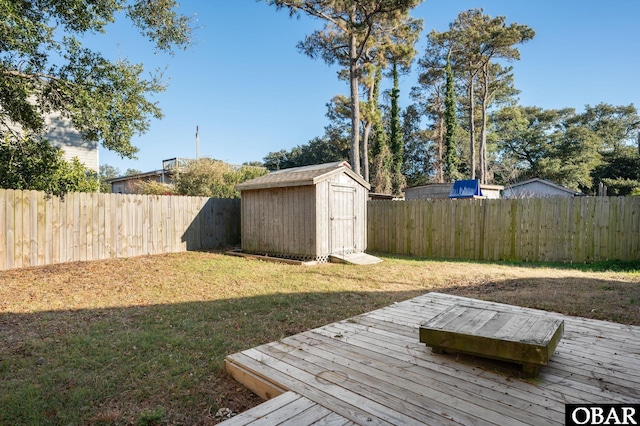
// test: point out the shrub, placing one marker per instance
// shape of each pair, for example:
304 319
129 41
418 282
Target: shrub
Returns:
207 177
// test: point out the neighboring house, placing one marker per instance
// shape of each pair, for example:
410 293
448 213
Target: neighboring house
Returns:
61 133
129 184
376 196
538 188
436 191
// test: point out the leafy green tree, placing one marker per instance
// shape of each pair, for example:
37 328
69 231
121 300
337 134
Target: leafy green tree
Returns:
615 126
370 113
495 87
382 181
107 172
620 171
44 67
316 151
34 164
207 177
571 160
576 150
527 135
73 176
350 28
418 165
549 144
132 172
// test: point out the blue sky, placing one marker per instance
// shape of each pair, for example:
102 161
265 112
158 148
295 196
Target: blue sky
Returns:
251 92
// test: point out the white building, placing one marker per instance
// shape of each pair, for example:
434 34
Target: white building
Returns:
61 133
538 188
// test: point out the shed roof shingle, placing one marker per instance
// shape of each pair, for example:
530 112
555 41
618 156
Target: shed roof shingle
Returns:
301 176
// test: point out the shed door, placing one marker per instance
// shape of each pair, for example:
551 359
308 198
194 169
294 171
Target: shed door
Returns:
343 220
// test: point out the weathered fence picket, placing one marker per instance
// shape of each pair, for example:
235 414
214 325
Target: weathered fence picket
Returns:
584 229
36 229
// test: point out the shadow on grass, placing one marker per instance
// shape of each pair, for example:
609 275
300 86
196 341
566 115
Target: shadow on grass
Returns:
601 266
603 299
164 363
122 365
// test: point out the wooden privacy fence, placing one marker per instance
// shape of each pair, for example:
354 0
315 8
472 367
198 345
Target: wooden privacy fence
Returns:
39 230
36 229
583 229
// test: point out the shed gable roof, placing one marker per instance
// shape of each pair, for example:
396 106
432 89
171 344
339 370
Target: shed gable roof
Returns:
301 176
544 182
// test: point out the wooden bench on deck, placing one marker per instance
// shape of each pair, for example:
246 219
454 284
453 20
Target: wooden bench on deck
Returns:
526 339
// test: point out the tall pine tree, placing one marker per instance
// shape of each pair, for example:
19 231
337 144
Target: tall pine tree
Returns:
451 127
396 144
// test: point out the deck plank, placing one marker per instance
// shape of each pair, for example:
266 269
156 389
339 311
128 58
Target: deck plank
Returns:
397 393
262 410
400 389
372 369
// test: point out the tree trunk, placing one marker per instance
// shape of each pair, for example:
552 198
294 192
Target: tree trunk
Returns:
440 146
355 105
472 128
483 128
365 151
366 133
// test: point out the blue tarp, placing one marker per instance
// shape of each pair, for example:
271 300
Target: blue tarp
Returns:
466 189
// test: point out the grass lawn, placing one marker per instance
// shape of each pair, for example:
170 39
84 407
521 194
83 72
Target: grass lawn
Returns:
143 340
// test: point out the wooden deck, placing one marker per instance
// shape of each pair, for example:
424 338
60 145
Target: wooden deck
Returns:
372 369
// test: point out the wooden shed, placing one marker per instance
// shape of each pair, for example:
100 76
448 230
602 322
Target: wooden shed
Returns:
305 213
436 191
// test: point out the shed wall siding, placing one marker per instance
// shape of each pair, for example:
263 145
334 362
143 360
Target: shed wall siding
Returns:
434 191
280 221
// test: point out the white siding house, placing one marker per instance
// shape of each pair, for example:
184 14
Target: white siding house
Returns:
61 133
537 188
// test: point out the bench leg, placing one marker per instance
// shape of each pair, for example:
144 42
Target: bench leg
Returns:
530 370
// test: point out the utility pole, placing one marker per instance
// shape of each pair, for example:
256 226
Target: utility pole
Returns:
197 144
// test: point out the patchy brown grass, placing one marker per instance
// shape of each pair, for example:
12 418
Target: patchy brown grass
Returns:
142 340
